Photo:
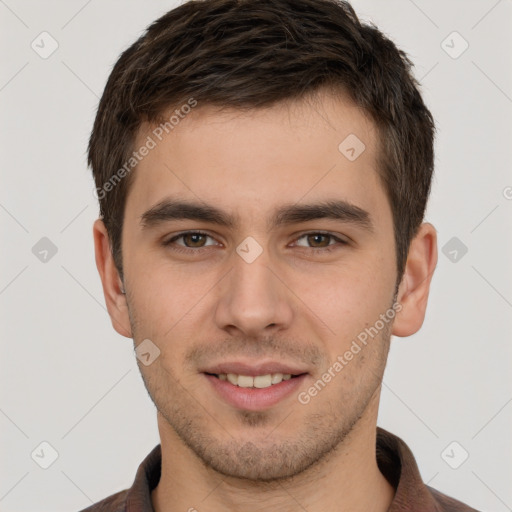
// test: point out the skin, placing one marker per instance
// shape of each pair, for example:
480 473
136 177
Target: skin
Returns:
296 303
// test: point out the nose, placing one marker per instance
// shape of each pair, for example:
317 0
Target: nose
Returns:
253 300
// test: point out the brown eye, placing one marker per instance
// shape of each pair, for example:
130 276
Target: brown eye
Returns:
194 239
319 240
190 240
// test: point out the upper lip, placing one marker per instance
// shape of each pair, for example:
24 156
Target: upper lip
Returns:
254 369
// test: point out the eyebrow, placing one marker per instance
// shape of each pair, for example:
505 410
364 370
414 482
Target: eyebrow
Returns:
174 209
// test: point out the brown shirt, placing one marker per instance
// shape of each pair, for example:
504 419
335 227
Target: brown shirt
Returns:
395 459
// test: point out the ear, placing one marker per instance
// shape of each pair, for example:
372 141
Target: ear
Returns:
415 284
115 299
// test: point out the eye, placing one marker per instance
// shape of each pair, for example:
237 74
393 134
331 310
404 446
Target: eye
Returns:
319 240
194 241
190 240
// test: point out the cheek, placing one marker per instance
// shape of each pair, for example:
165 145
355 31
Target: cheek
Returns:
347 298
169 302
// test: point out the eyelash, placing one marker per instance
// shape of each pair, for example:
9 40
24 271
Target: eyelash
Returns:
188 250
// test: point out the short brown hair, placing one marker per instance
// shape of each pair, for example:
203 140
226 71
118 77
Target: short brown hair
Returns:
254 53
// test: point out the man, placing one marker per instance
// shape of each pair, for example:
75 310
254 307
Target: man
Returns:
263 170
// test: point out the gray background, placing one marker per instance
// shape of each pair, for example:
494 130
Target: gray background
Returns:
68 379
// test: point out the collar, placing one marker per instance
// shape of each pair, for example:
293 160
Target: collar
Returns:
394 458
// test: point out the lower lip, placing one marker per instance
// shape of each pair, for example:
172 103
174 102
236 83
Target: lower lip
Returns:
255 399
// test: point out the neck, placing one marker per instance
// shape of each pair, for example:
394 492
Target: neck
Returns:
348 479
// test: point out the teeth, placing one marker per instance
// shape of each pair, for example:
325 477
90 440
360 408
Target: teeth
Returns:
245 381
232 378
260 381
277 378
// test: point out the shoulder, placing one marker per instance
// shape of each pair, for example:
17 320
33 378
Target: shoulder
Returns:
449 504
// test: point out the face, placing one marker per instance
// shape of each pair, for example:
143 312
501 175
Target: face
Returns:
253 246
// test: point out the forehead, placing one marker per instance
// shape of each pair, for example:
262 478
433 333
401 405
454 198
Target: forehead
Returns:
251 161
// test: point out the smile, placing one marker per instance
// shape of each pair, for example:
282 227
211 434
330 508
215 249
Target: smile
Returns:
258 381
255 393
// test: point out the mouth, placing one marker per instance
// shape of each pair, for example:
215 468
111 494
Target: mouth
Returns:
254 388
256 382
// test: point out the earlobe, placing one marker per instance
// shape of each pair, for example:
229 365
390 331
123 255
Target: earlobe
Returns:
415 284
115 297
